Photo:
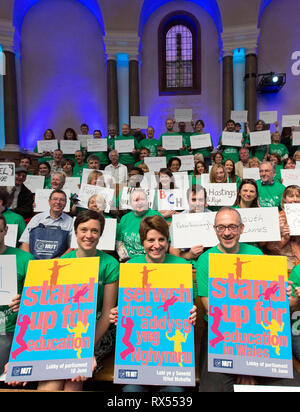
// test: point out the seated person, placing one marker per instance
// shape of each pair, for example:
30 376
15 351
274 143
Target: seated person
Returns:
20 198
11 217
270 190
45 170
53 217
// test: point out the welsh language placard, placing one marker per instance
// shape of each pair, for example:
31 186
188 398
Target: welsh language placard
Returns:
155 340
54 335
248 316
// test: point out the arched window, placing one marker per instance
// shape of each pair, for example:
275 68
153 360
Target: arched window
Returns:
179 54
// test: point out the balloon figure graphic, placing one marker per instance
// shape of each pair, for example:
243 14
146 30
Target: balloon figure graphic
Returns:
217 317
167 303
76 298
269 292
128 325
55 272
24 323
145 274
178 339
239 266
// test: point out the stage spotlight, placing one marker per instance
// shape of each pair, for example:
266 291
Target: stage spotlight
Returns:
270 82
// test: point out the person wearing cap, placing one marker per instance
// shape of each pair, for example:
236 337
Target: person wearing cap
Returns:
20 198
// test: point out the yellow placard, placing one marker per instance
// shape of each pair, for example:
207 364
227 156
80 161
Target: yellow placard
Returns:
137 275
62 271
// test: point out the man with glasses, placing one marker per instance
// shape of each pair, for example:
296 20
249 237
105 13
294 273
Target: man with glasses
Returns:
53 217
228 227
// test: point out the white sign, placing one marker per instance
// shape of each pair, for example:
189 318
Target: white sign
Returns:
290 177
155 163
193 229
232 139
11 236
47 145
42 200
69 146
108 179
107 240
8 279
268 117
291 120
251 173
260 138
221 194
187 163
72 184
126 193
124 146
83 138
296 138
297 165
7 174
86 191
199 141
173 199
34 182
139 122
97 145
173 142
261 224
239 116
292 211
183 115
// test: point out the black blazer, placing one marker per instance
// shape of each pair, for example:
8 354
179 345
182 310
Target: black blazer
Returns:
25 203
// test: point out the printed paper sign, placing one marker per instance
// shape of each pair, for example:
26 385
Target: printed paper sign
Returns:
291 120
239 116
290 177
54 336
260 138
7 174
47 145
232 139
268 117
139 122
11 236
249 329
69 146
8 279
155 163
187 163
155 341
296 138
124 146
97 145
199 141
173 142
251 173
292 211
33 182
183 115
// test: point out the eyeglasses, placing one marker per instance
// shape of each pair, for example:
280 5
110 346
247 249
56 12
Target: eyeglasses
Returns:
231 228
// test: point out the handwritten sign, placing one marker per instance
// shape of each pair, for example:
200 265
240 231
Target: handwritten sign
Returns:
47 145
69 146
239 116
251 173
183 115
139 122
292 211
296 138
11 236
155 163
155 340
83 138
97 145
187 163
33 182
86 191
124 146
261 224
249 330
7 174
221 194
290 177
268 116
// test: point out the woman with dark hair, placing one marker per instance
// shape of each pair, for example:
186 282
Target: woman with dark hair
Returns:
230 169
174 164
199 169
45 170
247 195
206 151
46 156
165 182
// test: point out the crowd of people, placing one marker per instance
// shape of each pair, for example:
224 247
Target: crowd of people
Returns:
124 186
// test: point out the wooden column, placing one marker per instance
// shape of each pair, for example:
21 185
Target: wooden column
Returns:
134 88
112 93
228 97
250 88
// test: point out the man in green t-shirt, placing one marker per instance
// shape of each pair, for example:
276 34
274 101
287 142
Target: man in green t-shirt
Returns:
9 313
11 218
270 190
170 132
228 227
127 159
150 143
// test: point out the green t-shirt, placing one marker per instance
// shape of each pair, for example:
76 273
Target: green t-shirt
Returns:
170 153
260 152
205 151
295 278
109 270
279 148
150 144
229 152
202 265
128 232
77 170
8 318
44 158
168 259
270 195
15 219
125 158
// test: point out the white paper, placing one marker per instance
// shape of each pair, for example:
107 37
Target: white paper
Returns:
296 138
183 115
187 162
155 163
181 180
239 116
139 122
173 142
268 117
290 177
107 240
108 179
124 203
11 236
232 139
8 279
298 165
72 184
97 145
124 146
261 224
42 200
291 120
83 138
86 191
69 146
47 145
199 141
260 138
34 182
221 194
251 173
173 199
292 211
7 174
